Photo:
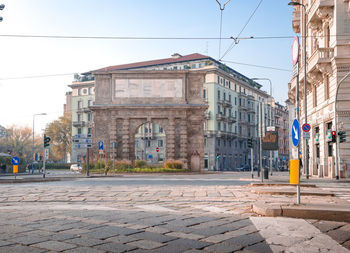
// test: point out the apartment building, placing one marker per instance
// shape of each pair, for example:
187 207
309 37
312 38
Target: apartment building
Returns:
281 123
82 96
327 52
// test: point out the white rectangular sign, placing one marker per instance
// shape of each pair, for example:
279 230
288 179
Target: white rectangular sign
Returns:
306 135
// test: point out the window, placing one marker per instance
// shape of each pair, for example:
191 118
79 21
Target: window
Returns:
330 149
79 92
235 101
218 79
160 143
224 96
80 104
79 117
204 93
218 94
193 66
205 142
89 130
89 117
79 130
175 68
229 97
146 129
90 90
89 102
160 129
219 142
148 143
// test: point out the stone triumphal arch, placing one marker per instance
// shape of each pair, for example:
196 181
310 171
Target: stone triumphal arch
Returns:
127 99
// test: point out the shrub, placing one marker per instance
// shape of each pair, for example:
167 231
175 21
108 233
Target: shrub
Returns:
122 165
56 166
141 164
174 164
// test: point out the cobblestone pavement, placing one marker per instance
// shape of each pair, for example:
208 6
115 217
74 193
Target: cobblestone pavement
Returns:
73 217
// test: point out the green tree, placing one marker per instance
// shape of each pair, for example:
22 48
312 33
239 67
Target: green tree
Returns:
18 141
60 132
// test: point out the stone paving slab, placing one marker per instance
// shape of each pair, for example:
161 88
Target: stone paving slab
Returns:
214 218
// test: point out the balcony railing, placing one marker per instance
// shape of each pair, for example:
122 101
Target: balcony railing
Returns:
231 119
207 115
220 116
79 123
321 55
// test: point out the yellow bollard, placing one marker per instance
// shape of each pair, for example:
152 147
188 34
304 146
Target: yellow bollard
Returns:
15 169
294 171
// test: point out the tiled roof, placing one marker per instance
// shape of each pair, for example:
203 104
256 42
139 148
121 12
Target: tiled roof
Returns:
185 58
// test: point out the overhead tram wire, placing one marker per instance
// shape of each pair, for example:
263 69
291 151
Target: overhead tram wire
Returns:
68 74
236 40
258 66
160 38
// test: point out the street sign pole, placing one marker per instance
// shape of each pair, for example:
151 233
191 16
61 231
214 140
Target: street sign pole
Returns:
252 161
87 162
44 168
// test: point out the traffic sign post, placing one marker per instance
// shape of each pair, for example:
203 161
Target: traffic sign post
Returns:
294 164
15 162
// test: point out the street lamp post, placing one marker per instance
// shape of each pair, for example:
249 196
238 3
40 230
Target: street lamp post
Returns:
33 139
306 143
271 121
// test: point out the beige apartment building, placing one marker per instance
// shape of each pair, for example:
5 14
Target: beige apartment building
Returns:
327 62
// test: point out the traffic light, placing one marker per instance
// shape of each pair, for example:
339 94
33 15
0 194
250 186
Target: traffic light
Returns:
334 136
217 156
250 142
46 141
342 136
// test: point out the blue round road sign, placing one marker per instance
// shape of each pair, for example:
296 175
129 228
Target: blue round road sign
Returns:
295 132
306 127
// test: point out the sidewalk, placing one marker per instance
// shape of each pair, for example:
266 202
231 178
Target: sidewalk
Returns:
328 199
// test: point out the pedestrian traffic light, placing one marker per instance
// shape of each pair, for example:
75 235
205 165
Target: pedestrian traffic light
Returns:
334 136
342 136
250 142
46 141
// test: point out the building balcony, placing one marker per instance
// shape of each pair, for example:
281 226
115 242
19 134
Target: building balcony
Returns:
296 21
79 123
226 103
321 56
251 97
207 115
251 123
209 133
320 9
242 95
231 119
251 109
220 117
242 107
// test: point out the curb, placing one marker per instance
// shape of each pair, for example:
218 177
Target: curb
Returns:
281 184
29 180
289 193
304 211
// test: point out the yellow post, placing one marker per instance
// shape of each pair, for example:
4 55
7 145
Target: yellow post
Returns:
294 171
15 169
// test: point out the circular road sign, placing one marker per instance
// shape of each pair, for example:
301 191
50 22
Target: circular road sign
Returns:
306 127
295 50
157 149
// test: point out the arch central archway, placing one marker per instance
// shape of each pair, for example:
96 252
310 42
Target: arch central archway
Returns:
150 143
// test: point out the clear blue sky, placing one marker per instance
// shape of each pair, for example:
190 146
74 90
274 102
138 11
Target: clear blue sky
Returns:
21 98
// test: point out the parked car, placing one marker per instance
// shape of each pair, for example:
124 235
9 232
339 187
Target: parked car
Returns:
76 168
244 168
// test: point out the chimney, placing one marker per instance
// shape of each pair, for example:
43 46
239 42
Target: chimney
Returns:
176 56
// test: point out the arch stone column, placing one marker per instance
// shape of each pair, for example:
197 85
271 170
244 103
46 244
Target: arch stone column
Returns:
126 138
170 139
